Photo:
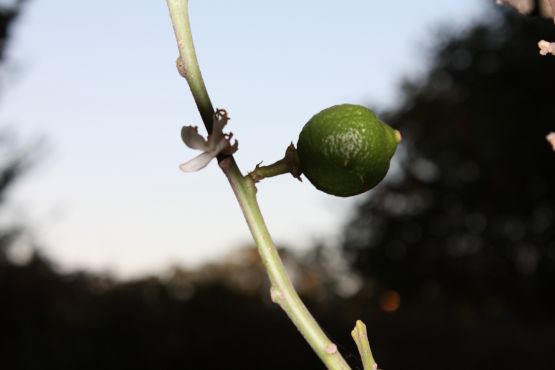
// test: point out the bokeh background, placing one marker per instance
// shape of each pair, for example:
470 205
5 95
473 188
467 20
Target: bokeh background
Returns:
110 258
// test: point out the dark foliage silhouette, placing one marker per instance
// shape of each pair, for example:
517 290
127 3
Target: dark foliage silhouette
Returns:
470 218
13 162
466 228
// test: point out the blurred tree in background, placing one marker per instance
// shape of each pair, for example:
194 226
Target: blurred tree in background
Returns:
13 161
455 253
469 219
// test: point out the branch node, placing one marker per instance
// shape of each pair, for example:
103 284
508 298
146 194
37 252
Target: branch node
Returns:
276 295
226 163
181 67
331 348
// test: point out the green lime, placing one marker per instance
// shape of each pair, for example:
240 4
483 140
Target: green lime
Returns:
345 150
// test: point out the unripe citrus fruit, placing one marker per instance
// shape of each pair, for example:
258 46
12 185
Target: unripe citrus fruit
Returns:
345 150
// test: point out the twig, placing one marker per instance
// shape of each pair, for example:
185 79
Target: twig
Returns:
282 291
360 337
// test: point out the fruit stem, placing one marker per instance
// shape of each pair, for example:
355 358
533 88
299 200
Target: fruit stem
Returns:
282 290
288 164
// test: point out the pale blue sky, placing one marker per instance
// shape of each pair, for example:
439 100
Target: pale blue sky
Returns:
97 80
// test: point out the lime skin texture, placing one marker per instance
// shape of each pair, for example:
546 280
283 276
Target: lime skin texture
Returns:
345 150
